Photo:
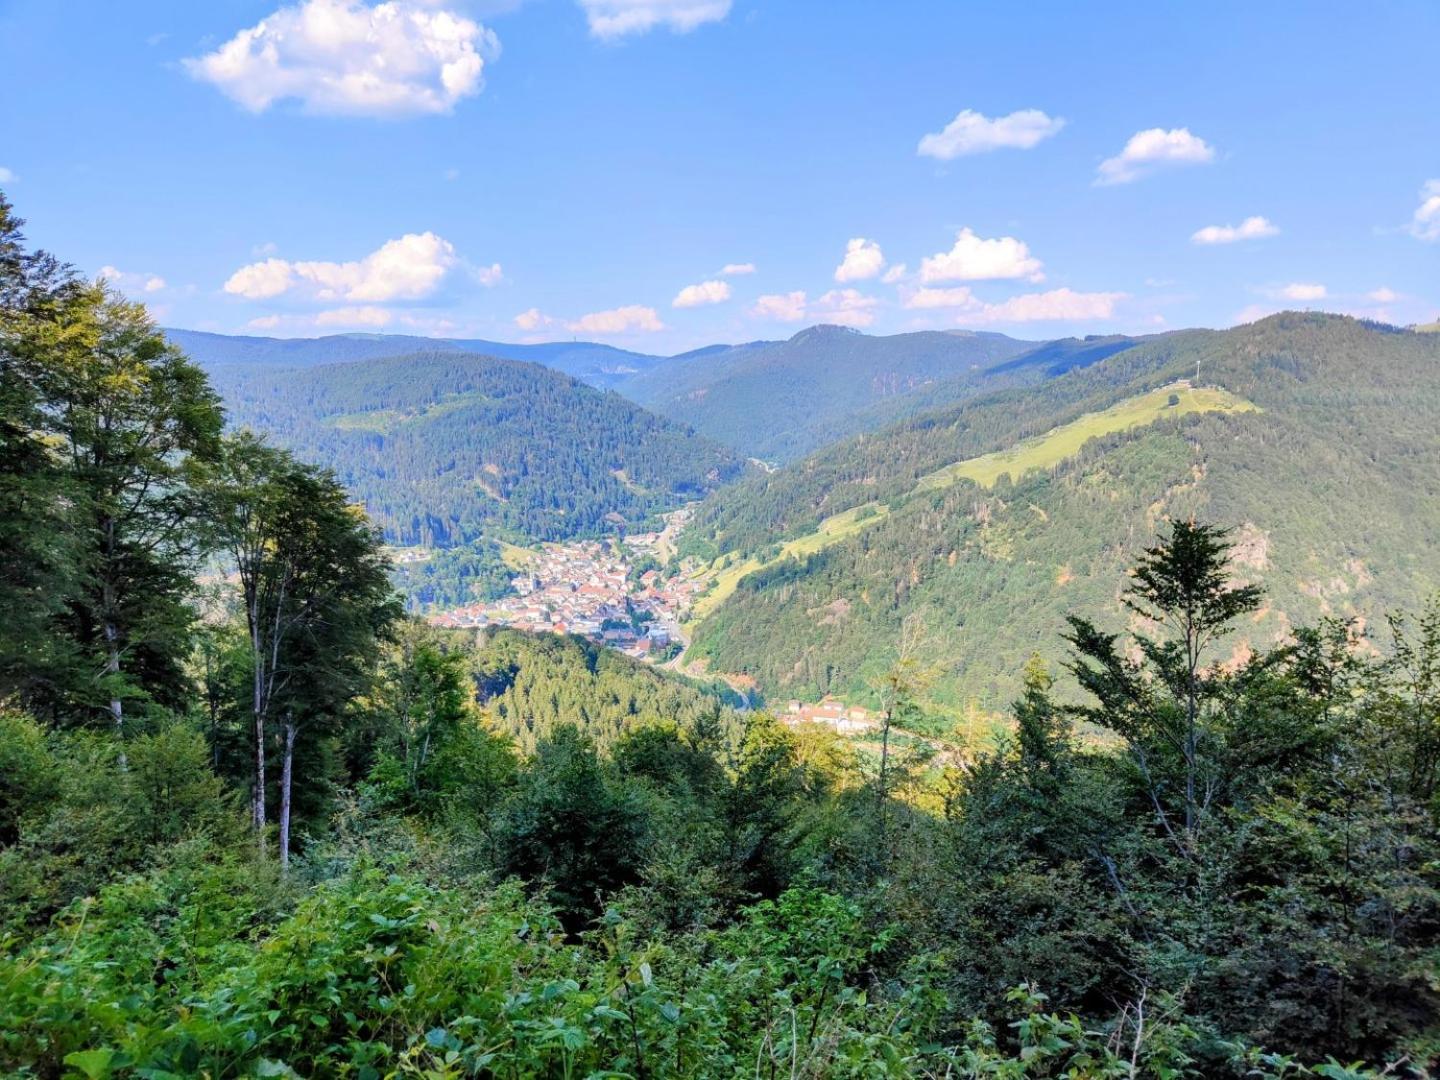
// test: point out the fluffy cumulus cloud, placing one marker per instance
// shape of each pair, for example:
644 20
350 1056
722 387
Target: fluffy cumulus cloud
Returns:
894 274
925 298
7 176
1302 290
409 268
1383 295
532 320
132 282
781 307
707 292
621 320
974 258
404 57
1151 150
974 133
367 316
844 307
611 19
1252 228
863 260
733 269
1425 225
1057 305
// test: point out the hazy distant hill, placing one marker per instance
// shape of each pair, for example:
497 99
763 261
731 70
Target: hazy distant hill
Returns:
779 400
442 446
599 365
1316 436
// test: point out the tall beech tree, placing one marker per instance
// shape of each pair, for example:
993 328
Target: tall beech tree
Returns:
37 552
314 585
129 423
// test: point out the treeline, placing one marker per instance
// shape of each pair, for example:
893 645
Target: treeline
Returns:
442 447
254 823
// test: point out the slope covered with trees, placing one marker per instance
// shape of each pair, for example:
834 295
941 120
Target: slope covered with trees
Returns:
443 447
779 400
256 824
599 365
1327 480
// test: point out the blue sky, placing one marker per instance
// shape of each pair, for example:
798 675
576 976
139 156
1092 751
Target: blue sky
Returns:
567 168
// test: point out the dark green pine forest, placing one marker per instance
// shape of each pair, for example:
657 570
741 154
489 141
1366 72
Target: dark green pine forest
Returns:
443 447
256 822
1328 483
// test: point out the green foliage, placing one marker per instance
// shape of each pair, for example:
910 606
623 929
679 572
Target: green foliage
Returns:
75 815
444 447
778 400
531 685
1321 486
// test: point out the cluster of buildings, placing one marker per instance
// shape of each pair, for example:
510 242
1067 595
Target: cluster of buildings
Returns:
589 589
842 718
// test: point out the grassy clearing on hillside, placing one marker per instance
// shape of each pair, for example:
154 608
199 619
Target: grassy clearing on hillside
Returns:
1048 450
830 531
517 558
1042 452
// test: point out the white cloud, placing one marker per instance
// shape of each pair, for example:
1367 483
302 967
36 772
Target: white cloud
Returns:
532 320
976 259
1057 304
921 298
782 307
132 282
617 321
1383 295
354 316
489 275
611 19
845 307
1301 290
1425 225
7 176
894 274
264 322
732 269
403 57
863 260
409 268
1252 228
973 133
1153 149
707 292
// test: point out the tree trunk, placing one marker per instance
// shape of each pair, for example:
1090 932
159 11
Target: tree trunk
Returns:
286 771
257 712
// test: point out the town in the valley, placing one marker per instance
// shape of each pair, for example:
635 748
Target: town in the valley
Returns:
590 589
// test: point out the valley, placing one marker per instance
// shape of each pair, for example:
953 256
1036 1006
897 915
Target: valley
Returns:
719 540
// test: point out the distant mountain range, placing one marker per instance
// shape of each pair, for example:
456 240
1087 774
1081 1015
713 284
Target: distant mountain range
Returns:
773 400
1317 437
588 361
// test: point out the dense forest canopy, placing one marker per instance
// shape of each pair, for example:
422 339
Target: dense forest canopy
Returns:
257 823
778 400
1324 477
443 447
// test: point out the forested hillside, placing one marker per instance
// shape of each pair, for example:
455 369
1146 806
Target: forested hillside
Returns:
591 362
779 400
441 447
1327 481
256 823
